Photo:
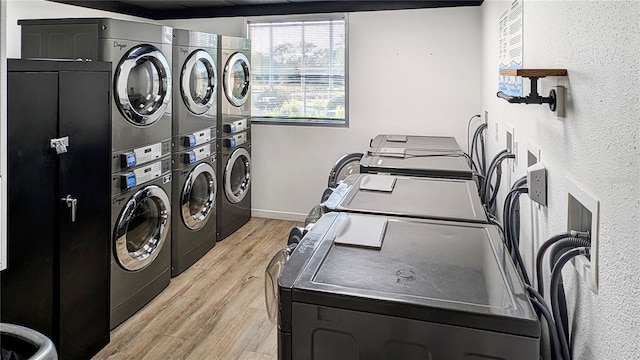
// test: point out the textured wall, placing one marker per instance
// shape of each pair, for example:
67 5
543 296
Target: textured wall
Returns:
596 144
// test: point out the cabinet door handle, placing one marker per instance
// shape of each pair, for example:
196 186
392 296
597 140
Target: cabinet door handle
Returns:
72 203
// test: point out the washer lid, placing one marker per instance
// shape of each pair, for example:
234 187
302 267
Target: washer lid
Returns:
451 273
412 142
426 163
444 199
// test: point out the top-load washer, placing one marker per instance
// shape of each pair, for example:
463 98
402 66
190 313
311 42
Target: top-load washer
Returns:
444 199
373 287
436 144
141 59
234 99
196 87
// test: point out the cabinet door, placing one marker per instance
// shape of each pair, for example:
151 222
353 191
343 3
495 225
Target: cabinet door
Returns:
84 242
29 282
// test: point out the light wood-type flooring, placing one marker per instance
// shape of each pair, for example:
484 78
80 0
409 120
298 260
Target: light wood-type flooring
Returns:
213 310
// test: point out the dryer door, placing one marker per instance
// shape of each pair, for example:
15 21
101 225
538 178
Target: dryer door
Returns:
237 175
142 85
236 79
198 82
198 196
142 228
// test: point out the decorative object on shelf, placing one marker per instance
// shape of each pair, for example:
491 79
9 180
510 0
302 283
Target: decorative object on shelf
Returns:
533 97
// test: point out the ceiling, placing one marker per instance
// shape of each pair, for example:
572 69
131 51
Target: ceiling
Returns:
185 9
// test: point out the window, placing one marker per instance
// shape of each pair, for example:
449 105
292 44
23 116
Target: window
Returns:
298 70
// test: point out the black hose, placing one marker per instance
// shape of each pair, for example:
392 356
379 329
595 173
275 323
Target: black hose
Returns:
560 248
540 256
505 154
555 278
488 174
484 156
478 135
538 301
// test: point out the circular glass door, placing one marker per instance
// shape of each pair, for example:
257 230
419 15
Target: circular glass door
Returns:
198 82
237 175
237 75
142 85
198 196
142 228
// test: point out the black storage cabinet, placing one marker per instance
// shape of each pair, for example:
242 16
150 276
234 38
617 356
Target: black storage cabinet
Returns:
57 279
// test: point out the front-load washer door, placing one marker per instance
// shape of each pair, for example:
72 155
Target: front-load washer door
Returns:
142 85
142 228
237 175
198 82
198 196
236 79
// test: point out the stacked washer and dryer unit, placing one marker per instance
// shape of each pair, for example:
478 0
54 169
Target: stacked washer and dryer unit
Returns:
141 143
194 147
234 157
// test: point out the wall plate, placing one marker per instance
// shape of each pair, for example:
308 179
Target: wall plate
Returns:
583 214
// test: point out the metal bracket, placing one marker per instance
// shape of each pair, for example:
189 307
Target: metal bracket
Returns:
533 97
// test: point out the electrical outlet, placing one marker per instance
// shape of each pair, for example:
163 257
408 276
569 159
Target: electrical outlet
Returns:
537 183
583 214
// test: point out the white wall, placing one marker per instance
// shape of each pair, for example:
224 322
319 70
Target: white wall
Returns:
596 143
40 9
410 72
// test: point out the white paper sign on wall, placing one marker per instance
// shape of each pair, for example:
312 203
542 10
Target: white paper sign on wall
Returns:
511 48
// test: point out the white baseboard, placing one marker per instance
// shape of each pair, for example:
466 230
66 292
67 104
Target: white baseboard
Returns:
279 215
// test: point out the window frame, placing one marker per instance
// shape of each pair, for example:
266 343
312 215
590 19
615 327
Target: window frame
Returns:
307 17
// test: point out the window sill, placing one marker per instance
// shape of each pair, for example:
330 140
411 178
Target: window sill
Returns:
299 122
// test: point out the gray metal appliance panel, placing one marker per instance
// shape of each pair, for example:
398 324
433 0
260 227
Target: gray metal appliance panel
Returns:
188 246
187 42
76 33
451 167
182 37
230 216
234 43
445 199
131 290
439 143
325 333
125 135
451 273
229 46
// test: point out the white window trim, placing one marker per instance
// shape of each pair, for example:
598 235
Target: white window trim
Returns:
308 17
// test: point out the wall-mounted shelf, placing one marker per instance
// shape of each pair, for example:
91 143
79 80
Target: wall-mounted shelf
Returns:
533 97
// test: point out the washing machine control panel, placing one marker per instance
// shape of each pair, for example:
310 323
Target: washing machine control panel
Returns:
143 174
235 140
197 154
235 127
197 138
139 156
